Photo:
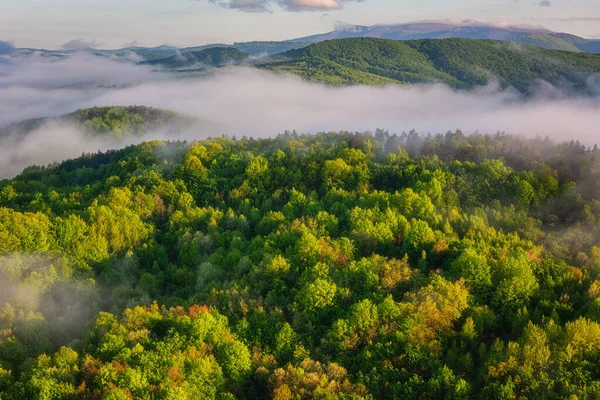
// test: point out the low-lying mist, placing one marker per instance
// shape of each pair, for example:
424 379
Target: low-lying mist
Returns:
44 283
55 141
251 102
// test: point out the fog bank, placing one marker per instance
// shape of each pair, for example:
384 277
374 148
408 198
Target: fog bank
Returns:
251 102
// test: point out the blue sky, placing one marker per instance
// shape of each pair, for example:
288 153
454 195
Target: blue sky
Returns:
115 23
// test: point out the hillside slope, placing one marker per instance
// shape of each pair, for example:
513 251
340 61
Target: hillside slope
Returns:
460 63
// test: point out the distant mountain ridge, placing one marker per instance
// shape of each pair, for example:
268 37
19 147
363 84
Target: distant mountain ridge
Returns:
536 36
147 54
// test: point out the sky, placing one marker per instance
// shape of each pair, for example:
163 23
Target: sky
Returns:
119 23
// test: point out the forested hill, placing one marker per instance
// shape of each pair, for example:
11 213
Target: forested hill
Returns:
460 63
211 57
338 266
114 121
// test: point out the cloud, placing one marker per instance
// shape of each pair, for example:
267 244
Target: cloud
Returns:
575 19
133 43
35 87
30 282
436 25
52 142
288 5
245 5
130 56
78 71
244 101
313 5
80 44
545 3
343 26
6 48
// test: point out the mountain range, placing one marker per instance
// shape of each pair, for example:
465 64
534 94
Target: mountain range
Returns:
536 36
147 54
460 55
457 62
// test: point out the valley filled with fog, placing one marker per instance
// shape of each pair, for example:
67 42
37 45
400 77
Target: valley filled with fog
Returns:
243 101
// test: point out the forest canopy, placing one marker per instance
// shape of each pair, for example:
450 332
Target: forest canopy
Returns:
331 266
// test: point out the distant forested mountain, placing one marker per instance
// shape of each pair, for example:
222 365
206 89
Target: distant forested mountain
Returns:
459 63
